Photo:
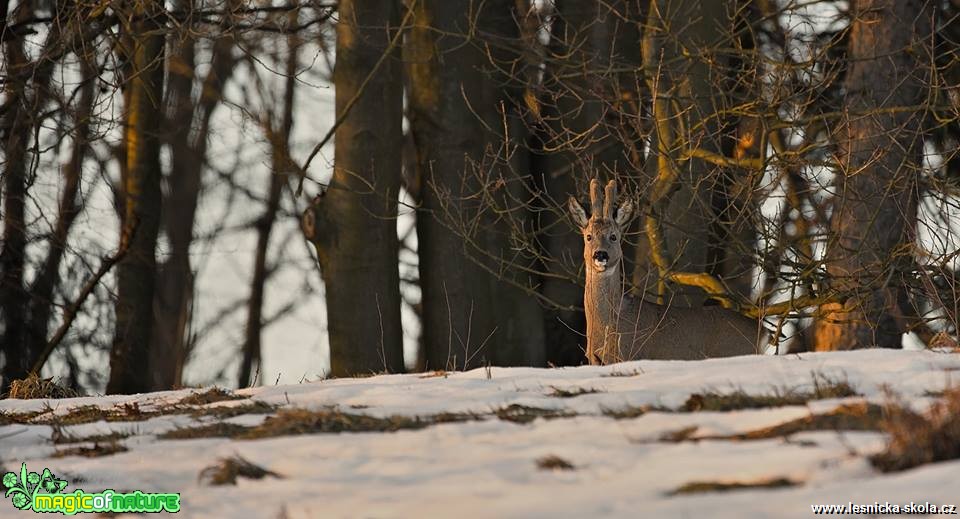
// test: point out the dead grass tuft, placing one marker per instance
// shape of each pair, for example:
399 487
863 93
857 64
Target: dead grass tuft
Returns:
7 417
225 411
213 430
98 449
209 396
626 412
227 470
570 392
59 437
522 414
34 387
301 421
699 487
823 388
679 435
861 416
553 462
917 439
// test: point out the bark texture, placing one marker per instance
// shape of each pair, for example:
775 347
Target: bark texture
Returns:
473 310
356 219
879 150
137 270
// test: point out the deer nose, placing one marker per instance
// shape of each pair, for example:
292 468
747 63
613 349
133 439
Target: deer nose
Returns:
601 255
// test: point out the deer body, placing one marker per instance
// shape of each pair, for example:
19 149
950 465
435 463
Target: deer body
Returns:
622 327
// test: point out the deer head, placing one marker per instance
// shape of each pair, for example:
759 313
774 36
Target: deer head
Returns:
603 231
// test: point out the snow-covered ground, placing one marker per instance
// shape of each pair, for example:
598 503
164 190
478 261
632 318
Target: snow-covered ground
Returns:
487 463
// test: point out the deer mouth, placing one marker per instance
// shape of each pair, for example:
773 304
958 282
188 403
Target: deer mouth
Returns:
600 265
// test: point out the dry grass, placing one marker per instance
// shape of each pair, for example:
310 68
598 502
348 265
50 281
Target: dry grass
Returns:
7 417
626 412
301 421
224 411
522 414
213 430
98 449
561 392
90 413
209 396
227 470
699 487
917 439
823 388
59 437
852 417
35 387
679 435
554 463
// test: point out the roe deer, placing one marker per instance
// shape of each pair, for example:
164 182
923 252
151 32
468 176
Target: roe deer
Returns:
622 327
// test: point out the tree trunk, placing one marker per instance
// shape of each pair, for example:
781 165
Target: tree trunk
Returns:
473 311
278 133
187 131
879 153
41 290
137 270
16 131
357 244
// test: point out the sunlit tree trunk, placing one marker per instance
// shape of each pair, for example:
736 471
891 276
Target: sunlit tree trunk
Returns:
880 143
136 272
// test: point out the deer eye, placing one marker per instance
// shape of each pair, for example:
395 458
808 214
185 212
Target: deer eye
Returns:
613 237
589 238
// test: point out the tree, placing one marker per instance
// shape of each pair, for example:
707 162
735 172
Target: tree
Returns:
356 226
186 132
143 43
880 145
475 310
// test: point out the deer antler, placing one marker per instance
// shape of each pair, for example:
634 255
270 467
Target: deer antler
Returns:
596 197
610 200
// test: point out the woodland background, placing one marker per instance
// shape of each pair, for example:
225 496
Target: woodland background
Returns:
188 185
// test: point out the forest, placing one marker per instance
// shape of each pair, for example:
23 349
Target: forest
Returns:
195 189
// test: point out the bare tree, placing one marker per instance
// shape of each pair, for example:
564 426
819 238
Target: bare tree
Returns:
143 46
354 226
460 115
880 146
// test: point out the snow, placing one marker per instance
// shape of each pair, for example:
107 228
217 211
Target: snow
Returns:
487 467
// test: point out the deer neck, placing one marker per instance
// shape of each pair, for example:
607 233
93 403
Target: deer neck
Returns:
603 295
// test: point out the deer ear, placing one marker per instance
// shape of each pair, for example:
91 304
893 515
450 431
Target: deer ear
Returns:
577 212
624 212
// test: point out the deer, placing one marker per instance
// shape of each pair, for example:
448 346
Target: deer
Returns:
621 326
